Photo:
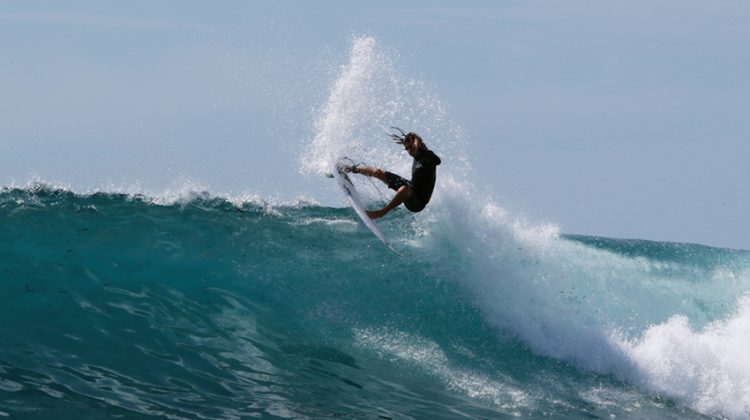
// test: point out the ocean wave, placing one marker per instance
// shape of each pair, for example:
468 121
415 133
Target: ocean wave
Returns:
204 308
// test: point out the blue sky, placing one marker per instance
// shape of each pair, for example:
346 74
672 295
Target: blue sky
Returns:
614 118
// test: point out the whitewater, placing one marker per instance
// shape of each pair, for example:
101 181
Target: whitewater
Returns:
204 305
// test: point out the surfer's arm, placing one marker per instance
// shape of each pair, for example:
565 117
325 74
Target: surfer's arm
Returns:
401 195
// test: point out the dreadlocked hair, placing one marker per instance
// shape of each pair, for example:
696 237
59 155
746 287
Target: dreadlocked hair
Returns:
401 137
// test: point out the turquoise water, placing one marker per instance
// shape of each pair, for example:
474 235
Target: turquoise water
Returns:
201 307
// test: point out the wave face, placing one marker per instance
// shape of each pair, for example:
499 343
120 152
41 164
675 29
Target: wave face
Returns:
116 304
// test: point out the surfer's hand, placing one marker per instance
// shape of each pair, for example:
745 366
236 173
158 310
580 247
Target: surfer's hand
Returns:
374 214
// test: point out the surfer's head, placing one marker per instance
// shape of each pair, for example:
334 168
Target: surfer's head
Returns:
413 143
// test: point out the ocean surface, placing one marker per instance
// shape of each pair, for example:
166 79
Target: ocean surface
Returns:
127 306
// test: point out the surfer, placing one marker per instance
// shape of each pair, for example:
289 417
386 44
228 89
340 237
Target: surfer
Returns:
414 194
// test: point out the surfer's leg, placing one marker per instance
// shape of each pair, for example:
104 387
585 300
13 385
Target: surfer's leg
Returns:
372 172
402 194
393 181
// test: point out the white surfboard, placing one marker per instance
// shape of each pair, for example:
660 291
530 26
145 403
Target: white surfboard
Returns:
351 193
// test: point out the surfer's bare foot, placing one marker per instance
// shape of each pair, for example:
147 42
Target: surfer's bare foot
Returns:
375 214
348 168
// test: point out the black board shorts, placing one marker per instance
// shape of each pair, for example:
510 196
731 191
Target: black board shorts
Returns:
413 203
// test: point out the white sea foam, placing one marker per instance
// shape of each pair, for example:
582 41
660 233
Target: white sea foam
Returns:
608 313
368 97
707 368
427 356
346 223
